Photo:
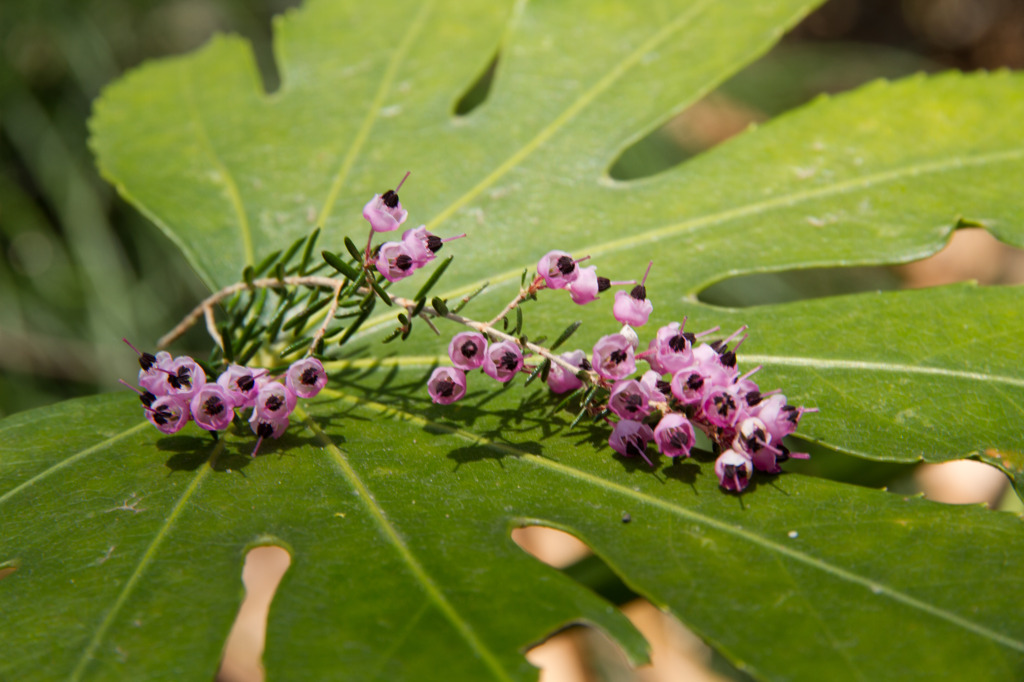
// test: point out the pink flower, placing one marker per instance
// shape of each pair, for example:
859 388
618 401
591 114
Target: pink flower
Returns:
558 269
633 308
629 399
689 386
241 383
423 246
503 360
674 435
168 413
613 357
266 428
183 377
273 402
446 385
153 372
212 407
384 211
733 470
657 390
721 408
468 350
630 438
561 380
673 347
755 442
394 261
587 286
418 242
153 378
780 418
305 378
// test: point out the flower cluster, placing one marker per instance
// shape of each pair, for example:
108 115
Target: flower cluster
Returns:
468 351
174 390
398 260
690 385
694 385
503 359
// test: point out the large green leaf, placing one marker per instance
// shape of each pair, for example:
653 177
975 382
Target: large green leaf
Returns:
130 546
397 513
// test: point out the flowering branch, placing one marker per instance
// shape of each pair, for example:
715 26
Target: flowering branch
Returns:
690 384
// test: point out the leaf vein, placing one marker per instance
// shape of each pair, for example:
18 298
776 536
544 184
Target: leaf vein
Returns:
373 113
71 460
231 186
864 365
639 240
836 571
585 99
391 533
147 558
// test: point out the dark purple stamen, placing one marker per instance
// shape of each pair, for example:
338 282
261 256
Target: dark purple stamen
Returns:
403 262
783 454
245 383
469 349
445 388
753 398
678 439
733 471
162 416
633 403
729 359
147 398
508 361
635 447
565 265
603 284
390 198
695 382
274 403
434 243
309 376
639 292
585 364
756 441
679 343
265 430
182 378
663 386
724 404
213 406
617 356
147 360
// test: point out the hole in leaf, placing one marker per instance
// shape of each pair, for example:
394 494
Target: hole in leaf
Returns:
554 547
844 468
585 653
971 254
962 481
701 126
677 653
264 568
797 285
478 91
793 73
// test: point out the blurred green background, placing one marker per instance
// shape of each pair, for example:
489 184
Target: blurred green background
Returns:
79 268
